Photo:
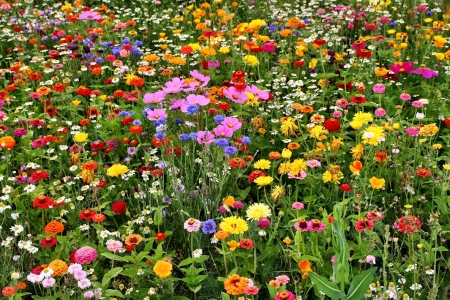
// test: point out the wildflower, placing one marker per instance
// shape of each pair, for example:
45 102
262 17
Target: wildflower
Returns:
373 135
235 285
257 211
54 227
363 224
277 192
85 255
377 183
262 164
133 239
263 181
423 172
80 137
192 225
332 125
197 253
117 170
209 227
370 259
59 267
284 295
113 245
305 267
251 60
119 207
316 225
233 245
408 224
234 225
415 286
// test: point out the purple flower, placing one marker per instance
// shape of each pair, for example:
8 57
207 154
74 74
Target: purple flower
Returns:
131 150
20 132
205 137
379 88
209 227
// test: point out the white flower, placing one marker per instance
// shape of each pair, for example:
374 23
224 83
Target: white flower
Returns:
17 229
411 267
214 240
15 275
420 116
29 188
415 286
84 227
402 281
197 253
262 233
429 272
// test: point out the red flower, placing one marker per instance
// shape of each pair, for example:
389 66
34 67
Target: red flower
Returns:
101 183
98 218
237 163
156 172
332 124
238 74
381 156
8 291
173 151
408 224
160 236
223 106
129 248
246 244
135 129
255 174
43 202
447 122
345 187
119 207
423 172
358 99
83 91
159 142
87 214
127 120
186 49
97 145
364 53
299 63
49 242
363 224
39 175
320 42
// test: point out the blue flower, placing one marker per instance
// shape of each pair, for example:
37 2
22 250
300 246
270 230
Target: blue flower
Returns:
219 118
245 140
137 123
126 41
178 121
193 135
230 150
192 109
209 227
221 142
184 137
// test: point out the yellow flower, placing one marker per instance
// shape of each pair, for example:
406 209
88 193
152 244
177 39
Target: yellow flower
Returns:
357 151
76 103
286 153
257 211
251 60
440 56
363 117
356 125
313 63
284 168
277 192
333 174
377 183
428 130
256 24
263 181
373 135
262 164
297 166
117 170
336 144
318 132
233 245
446 167
224 50
80 137
287 241
288 126
437 146
163 269
234 225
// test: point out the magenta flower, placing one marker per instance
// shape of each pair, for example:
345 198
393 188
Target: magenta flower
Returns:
223 131
155 114
235 95
379 88
405 96
205 137
417 104
302 225
316 225
174 86
380 112
284 295
85 255
370 259
232 123
358 45
425 72
268 47
154 97
412 131
90 15
298 205
402 67
261 95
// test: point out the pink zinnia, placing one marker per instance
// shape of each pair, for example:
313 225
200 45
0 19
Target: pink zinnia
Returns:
313 163
284 295
268 47
379 88
342 103
223 131
412 131
251 290
85 255
298 205
157 113
113 245
192 225
282 279
405 96
302 225
337 114
316 225
380 112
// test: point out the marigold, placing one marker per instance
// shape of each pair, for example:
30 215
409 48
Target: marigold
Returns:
235 284
305 267
162 268
59 267
222 235
54 227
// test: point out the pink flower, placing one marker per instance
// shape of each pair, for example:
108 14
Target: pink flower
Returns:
154 97
174 86
192 225
417 104
261 95
401 67
333 258
282 279
84 283
90 15
88 294
223 131
313 163
405 96
370 259
302 225
85 255
299 176
412 131
425 72
232 123
75 267
316 225
235 95
379 88
48 282
268 47
380 112
342 103
251 290
337 114
113 245
157 113
284 295
80 274
205 137
298 205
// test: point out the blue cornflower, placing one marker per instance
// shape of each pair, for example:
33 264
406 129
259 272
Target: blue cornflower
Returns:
209 227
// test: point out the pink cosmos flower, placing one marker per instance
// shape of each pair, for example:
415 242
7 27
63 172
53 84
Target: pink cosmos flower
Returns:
232 123
223 131
235 95
174 86
205 137
157 113
401 67
425 72
198 100
156 97
89 15
261 95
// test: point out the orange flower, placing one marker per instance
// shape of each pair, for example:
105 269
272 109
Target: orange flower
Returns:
162 268
229 201
99 217
8 291
21 285
274 155
59 267
305 267
54 227
381 156
356 166
235 284
7 142
133 239
221 235
275 284
233 245
89 166
293 146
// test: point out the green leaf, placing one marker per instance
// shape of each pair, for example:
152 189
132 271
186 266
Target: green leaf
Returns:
114 257
114 293
141 255
225 296
341 266
328 288
109 275
158 217
243 194
185 262
360 284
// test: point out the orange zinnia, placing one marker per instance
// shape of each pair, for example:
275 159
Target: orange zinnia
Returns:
163 269
54 227
7 142
305 267
89 166
133 239
98 218
235 284
59 267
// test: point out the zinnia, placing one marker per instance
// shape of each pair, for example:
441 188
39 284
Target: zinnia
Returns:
235 284
163 269
117 170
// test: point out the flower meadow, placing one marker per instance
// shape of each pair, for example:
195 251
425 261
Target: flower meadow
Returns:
225 149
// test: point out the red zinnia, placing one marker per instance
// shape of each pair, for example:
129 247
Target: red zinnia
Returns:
43 202
135 129
87 214
332 124
49 242
119 207
160 236
423 172
246 244
447 122
223 106
8 291
255 174
363 224
358 99
345 187
364 53
83 91
237 163
39 175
